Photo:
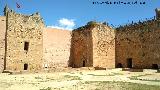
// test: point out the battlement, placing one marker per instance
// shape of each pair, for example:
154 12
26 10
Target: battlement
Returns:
138 25
91 24
33 17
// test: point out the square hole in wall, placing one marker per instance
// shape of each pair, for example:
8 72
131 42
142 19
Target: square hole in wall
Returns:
26 46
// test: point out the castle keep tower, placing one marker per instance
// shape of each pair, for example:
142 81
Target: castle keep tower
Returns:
93 45
24 41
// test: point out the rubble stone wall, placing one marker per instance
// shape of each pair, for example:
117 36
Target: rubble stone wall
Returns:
103 46
81 48
139 42
24 32
2 41
136 45
93 45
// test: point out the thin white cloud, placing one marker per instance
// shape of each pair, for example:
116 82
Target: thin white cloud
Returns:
64 23
58 27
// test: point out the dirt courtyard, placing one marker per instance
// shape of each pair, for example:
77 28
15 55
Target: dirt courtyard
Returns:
76 79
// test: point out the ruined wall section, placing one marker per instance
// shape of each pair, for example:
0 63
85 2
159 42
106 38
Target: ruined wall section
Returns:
81 47
23 29
103 46
140 42
2 41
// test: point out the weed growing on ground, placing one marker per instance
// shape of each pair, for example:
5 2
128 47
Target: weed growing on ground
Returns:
72 77
49 88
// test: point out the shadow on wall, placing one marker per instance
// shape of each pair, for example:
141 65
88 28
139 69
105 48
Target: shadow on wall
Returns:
70 61
5 44
81 51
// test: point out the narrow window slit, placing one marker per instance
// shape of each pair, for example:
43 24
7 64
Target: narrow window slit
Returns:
26 46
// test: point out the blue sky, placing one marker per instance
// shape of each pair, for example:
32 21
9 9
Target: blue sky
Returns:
75 13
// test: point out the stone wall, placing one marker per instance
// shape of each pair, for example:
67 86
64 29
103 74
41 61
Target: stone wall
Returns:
103 46
24 41
93 45
81 47
56 46
136 45
139 42
2 41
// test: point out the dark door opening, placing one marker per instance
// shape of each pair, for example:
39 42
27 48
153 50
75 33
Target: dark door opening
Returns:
25 66
154 66
129 63
119 65
84 63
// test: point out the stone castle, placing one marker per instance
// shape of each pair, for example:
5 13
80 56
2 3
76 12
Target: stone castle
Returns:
27 44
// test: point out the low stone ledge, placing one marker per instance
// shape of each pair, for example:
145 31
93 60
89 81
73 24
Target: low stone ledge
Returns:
136 70
115 69
150 70
100 68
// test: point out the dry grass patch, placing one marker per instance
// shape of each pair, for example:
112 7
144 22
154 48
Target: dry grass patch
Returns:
112 85
68 77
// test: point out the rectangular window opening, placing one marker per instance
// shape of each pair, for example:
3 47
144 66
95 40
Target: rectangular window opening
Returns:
26 46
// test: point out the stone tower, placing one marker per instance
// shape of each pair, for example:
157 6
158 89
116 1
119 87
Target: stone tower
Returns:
93 45
24 41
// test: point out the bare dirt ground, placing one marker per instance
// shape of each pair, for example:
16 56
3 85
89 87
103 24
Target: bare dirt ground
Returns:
75 79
